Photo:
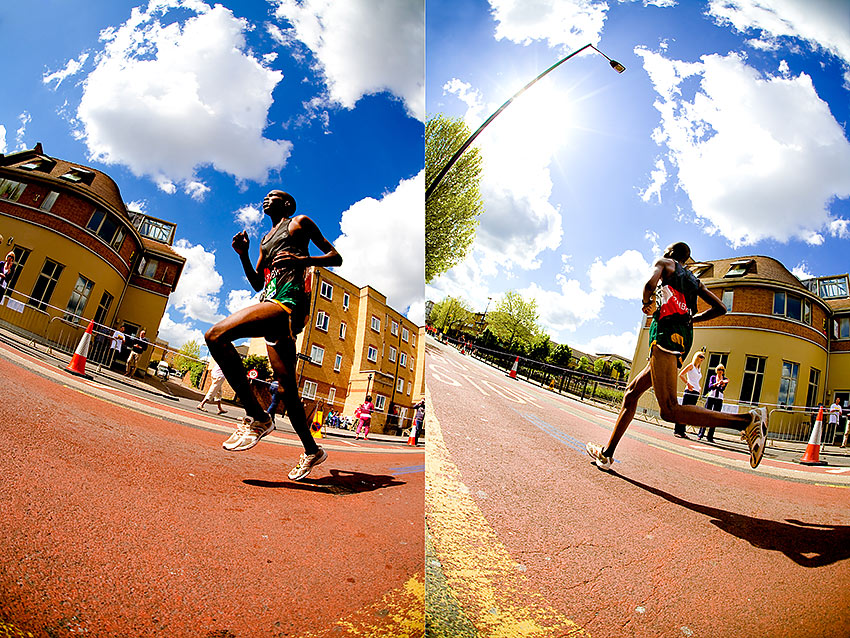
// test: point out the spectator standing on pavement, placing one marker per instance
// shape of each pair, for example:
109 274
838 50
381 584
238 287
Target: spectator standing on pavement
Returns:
137 346
364 416
272 409
834 416
7 269
714 398
116 344
691 375
418 418
213 395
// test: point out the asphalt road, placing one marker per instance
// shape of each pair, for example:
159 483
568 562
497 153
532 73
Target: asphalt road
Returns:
528 538
123 516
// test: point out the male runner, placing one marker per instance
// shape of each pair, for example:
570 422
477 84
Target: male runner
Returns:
283 311
670 337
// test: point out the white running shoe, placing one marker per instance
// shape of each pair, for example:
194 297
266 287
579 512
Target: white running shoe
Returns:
755 435
248 433
306 463
594 451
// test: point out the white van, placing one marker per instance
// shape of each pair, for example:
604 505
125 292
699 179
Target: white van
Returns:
162 370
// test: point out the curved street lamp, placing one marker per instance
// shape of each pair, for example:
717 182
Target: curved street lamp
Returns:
619 68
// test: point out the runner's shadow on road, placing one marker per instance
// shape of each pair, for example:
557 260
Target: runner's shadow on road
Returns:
339 483
807 544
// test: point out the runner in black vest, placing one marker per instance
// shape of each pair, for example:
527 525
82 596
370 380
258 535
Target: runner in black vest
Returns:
670 296
279 317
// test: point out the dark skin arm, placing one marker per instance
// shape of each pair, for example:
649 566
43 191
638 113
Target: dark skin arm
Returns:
665 267
298 226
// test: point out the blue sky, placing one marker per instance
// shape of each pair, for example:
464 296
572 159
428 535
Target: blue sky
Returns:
728 130
197 110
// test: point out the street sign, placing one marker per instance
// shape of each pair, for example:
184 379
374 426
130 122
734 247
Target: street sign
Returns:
305 357
252 374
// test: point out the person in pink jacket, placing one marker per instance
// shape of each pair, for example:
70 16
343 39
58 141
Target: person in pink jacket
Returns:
364 414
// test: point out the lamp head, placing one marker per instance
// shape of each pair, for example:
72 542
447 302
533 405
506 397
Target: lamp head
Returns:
619 68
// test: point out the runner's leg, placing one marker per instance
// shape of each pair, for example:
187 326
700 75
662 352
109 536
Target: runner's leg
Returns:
283 361
637 386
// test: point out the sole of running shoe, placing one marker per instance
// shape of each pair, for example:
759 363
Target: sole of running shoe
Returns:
318 461
246 443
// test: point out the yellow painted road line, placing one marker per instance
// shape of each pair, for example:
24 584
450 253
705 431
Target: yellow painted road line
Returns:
478 568
399 614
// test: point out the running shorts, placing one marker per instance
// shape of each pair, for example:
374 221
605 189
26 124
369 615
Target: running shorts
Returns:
293 299
672 335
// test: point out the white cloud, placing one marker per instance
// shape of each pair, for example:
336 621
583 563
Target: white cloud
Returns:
249 218
166 99
652 237
178 334
239 299
363 46
72 67
24 118
416 312
622 276
622 344
823 24
749 175
383 243
196 190
567 24
563 310
2 139
657 178
196 295
469 96
801 271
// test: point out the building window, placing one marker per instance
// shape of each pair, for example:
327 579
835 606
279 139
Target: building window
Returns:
103 225
44 285
317 355
337 363
392 354
48 202
728 295
156 229
342 329
118 239
376 324
322 320
399 386
841 328
394 328
346 298
309 391
738 268
380 402
331 396
372 354
405 335
814 382
148 267
788 305
409 387
402 360
21 255
77 175
326 291
753 377
833 287
11 190
79 298
103 308
39 164
788 383
807 311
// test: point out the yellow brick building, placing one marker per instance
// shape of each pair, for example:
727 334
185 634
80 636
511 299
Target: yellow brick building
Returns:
81 254
354 345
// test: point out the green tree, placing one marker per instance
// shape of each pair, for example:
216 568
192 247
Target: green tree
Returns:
452 313
541 347
514 320
561 355
584 364
619 368
451 213
600 366
188 360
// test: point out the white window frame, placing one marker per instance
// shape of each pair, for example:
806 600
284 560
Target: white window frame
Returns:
342 329
392 354
346 300
372 357
309 389
399 386
409 387
402 359
380 402
48 202
394 328
323 320
331 396
330 290
337 362
405 335
376 324
314 350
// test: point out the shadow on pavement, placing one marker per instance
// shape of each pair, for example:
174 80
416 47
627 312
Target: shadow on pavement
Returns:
807 544
339 483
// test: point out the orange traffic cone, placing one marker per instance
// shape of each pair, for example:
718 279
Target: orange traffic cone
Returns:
812 455
411 439
78 361
512 374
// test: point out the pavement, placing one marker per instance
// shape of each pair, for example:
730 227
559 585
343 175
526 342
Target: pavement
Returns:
170 400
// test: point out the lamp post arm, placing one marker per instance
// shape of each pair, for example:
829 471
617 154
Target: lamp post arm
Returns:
472 137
